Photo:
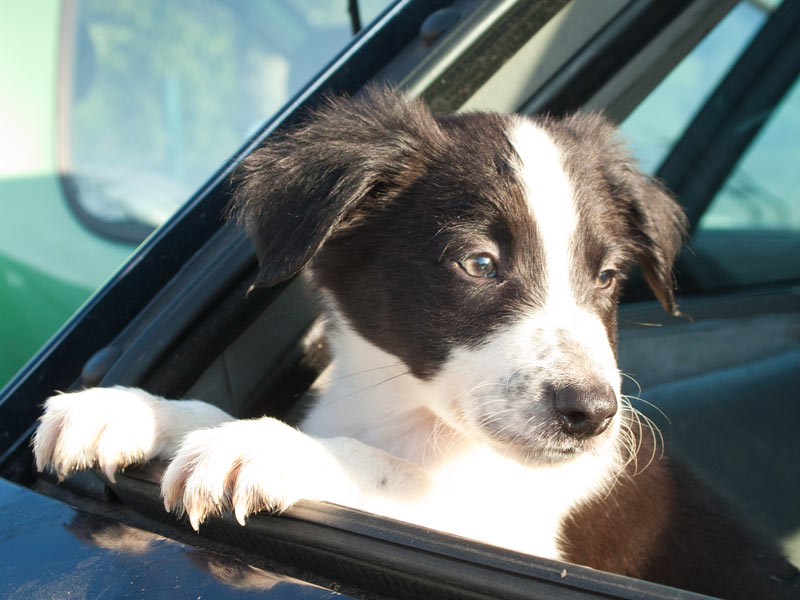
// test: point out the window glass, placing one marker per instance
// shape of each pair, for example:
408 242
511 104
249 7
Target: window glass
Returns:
763 192
113 113
657 123
161 93
750 231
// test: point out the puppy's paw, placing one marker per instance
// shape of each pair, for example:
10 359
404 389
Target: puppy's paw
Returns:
245 467
107 427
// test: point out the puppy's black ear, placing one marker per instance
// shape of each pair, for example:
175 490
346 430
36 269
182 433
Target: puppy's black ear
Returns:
657 223
659 226
302 187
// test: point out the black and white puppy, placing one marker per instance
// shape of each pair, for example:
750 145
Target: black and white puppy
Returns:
470 268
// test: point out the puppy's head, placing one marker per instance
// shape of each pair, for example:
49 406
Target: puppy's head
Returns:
485 251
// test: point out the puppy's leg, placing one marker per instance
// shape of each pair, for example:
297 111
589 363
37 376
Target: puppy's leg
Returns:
248 466
113 428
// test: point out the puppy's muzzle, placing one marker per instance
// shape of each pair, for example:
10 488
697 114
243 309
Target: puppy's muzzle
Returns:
584 412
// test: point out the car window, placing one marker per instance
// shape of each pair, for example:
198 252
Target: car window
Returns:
113 113
763 192
681 94
748 231
156 95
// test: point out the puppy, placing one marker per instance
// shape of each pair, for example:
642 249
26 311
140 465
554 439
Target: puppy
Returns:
470 268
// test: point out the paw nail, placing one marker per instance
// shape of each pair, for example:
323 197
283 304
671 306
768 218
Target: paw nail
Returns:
109 470
240 512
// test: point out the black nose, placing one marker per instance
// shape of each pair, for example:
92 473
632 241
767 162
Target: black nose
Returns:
585 411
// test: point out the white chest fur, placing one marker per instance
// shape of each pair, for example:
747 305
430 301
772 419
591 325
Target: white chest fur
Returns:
475 491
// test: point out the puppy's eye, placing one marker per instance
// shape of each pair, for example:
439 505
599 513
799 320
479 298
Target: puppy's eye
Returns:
605 279
479 265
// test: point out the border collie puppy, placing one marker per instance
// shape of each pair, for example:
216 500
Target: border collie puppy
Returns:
470 268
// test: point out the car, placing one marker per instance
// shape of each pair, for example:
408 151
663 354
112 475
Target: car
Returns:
706 93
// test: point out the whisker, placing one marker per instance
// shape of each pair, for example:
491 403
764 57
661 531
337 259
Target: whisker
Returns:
489 400
494 417
628 444
367 388
663 414
634 441
633 379
353 374
655 432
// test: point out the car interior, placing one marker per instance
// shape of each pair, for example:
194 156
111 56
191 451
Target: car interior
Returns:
719 384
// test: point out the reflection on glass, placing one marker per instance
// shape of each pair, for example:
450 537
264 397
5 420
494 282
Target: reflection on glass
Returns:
657 123
163 92
763 191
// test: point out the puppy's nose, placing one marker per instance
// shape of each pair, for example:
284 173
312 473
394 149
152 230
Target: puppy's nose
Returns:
585 411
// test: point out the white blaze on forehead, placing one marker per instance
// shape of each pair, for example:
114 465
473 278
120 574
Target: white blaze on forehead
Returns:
549 197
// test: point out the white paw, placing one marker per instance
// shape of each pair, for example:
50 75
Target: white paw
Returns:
245 467
106 427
